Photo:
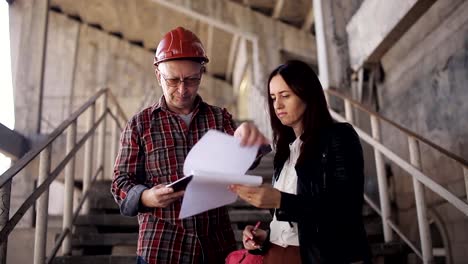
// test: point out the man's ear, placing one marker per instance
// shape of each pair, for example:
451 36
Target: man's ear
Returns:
158 76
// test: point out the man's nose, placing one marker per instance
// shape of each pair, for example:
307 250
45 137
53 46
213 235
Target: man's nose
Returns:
181 87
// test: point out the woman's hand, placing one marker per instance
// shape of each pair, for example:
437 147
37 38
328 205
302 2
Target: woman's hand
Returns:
263 196
253 239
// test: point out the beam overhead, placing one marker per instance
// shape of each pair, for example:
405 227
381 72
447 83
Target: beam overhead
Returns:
278 8
309 20
390 20
12 143
237 19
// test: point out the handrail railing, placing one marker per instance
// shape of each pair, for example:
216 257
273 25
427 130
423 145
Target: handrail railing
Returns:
28 157
420 180
359 106
46 177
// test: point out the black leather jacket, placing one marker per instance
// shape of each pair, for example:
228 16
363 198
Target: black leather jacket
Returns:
328 204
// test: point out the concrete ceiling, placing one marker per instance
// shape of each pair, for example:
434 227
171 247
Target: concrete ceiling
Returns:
294 12
144 22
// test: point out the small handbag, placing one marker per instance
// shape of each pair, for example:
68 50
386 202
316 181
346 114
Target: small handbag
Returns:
244 257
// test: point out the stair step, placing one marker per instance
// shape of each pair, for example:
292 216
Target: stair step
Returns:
116 220
106 239
241 204
99 259
250 216
243 215
389 248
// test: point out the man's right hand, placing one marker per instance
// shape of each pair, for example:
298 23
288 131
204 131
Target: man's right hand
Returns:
159 196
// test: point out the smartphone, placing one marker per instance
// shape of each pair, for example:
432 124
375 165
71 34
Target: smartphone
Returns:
180 184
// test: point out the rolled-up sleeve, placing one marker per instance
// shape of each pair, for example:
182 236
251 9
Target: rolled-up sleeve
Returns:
129 171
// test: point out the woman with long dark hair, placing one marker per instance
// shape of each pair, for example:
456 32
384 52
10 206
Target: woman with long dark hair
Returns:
317 192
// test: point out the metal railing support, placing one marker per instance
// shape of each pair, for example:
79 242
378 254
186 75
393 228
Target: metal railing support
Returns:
382 181
327 99
465 173
102 136
421 208
69 182
47 176
5 194
348 111
115 135
40 238
88 156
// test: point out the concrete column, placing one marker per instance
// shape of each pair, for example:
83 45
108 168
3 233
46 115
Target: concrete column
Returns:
28 30
322 54
331 19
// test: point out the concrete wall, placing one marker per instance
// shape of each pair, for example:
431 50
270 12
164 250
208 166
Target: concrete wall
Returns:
425 90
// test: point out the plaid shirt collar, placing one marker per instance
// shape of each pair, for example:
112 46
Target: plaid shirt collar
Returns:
161 105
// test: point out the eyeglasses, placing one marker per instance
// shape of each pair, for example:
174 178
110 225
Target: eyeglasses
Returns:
175 82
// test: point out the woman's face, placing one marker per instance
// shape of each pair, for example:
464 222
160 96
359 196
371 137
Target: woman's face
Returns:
289 108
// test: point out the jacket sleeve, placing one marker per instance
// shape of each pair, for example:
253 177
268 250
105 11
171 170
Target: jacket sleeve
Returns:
127 184
340 213
293 207
342 189
346 185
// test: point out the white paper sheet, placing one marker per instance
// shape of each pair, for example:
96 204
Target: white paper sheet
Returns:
216 161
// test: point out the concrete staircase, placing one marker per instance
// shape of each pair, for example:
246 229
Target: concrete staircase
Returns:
105 236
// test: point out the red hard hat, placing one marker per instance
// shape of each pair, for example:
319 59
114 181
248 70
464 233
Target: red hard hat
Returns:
180 43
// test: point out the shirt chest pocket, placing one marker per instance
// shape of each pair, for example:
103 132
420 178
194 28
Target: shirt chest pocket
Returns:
160 162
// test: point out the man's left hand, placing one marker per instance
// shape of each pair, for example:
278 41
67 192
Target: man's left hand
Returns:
250 135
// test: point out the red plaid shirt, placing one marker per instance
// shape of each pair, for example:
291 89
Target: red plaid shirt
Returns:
153 147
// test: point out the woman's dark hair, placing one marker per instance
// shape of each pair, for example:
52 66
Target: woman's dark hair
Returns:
303 81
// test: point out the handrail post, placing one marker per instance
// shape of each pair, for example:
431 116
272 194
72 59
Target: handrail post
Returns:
327 97
68 197
115 135
5 194
465 173
40 239
102 136
88 158
382 181
348 111
421 208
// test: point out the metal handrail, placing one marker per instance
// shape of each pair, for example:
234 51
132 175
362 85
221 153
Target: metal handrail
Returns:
428 182
413 167
394 227
28 157
65 232
44 182
10 225
408 132
119 108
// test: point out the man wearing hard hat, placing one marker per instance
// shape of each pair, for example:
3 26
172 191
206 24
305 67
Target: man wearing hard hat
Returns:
153 148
